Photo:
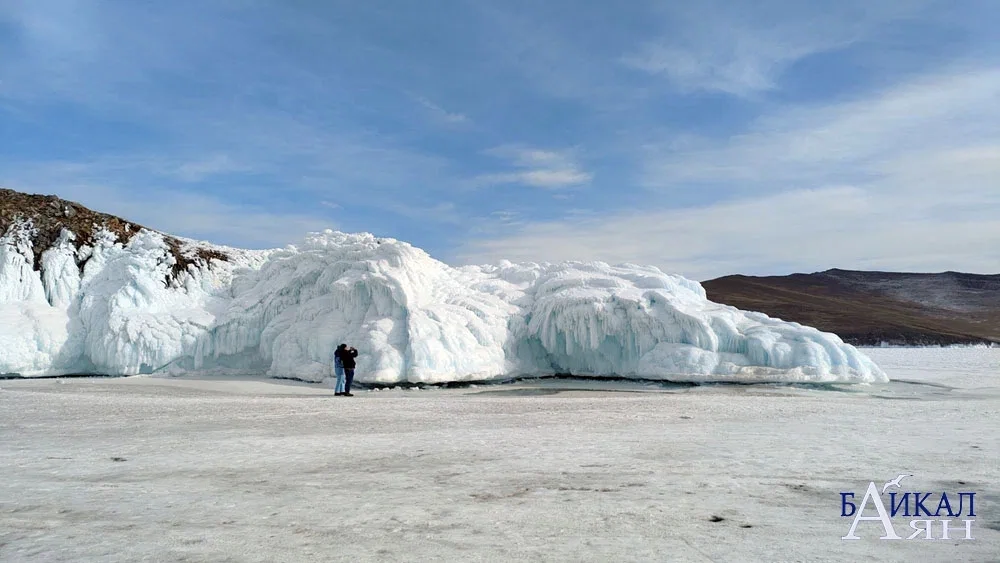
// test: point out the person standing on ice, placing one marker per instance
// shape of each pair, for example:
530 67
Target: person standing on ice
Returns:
338 370
343 365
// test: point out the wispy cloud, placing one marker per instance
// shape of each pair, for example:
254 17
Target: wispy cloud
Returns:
444 212
200 169
506 217
536 55
537 168
743 49
441 113
834 142
806 230
904 179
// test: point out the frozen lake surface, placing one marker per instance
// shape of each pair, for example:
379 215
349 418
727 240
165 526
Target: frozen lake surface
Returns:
145 469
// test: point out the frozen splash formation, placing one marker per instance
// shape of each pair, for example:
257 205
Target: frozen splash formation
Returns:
115 307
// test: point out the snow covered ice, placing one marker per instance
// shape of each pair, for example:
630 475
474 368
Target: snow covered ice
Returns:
256 469
414 319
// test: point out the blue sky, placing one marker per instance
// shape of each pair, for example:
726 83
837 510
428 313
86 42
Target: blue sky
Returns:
706 137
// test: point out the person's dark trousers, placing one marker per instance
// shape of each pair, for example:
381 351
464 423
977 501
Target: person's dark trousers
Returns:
349 373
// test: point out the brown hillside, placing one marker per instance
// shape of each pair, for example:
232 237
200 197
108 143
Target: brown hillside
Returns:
867 308
50 215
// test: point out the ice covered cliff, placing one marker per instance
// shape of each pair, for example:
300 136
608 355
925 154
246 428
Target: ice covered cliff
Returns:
130 305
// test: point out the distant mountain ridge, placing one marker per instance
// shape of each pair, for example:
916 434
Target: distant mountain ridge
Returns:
870 308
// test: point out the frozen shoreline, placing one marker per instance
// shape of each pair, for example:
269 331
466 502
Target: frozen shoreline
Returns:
260 469
869 350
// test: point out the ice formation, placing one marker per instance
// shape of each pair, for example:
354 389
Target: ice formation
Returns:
413 318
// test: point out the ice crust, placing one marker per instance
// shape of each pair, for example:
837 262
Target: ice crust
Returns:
413 319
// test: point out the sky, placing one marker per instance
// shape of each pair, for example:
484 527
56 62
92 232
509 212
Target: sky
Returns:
705 137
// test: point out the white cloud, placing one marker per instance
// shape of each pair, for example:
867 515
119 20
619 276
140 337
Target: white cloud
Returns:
737 49
506 217
826 143
538 168
740 68
554 178
547 57
547 179
200 169
528 157
443 114
807 230
444 212
903 180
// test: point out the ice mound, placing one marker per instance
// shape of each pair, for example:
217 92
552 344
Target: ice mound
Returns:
413 318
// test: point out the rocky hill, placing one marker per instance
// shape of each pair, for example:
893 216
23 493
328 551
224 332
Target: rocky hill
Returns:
869 308
48 216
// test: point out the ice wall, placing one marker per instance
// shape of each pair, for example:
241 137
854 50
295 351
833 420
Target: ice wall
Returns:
415 319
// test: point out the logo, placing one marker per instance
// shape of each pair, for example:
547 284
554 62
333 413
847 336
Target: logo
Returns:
930 516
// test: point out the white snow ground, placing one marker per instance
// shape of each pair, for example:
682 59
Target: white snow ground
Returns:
413 318
217 469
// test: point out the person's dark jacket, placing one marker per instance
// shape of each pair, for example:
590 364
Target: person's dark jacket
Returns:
347 356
